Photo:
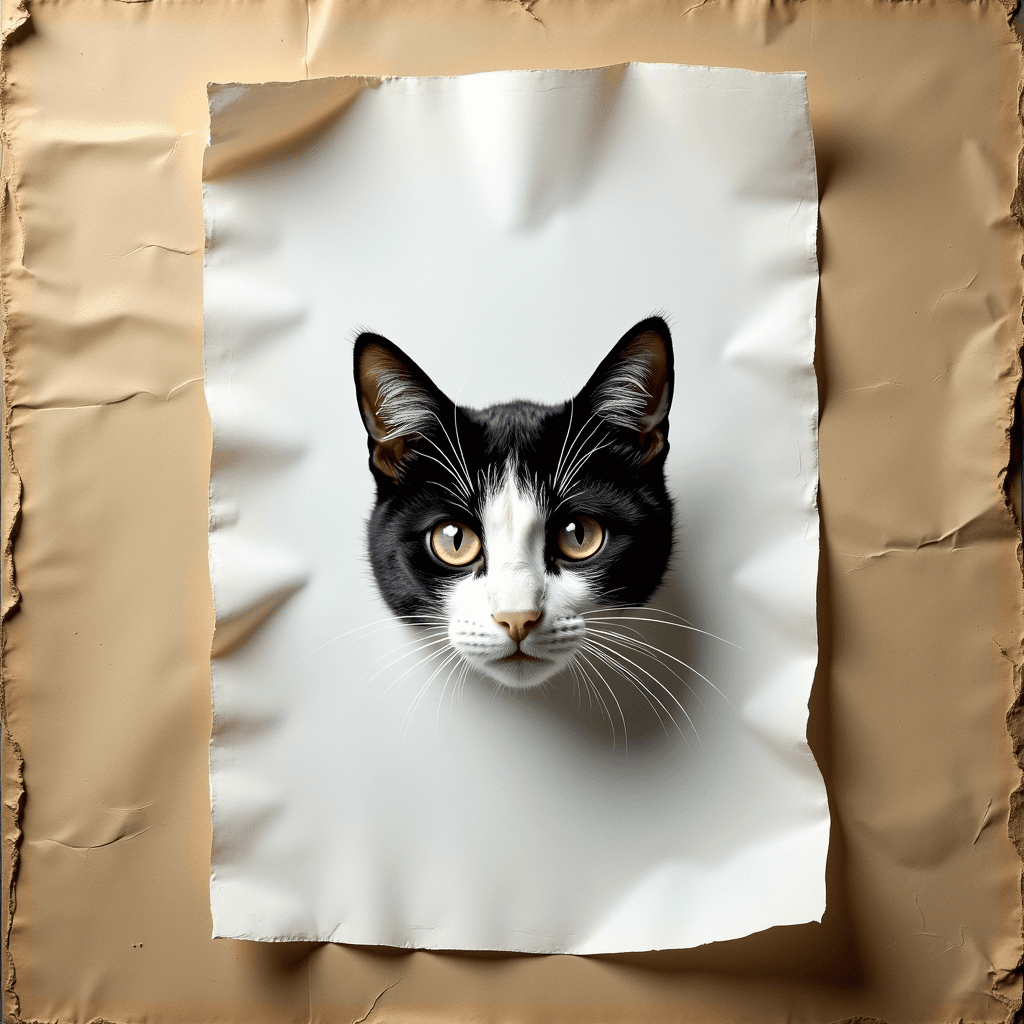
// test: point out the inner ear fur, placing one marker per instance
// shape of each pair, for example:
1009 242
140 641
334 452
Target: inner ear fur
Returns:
634 385
650 348
393 403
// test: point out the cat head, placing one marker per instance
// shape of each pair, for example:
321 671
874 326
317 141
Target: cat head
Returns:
509 524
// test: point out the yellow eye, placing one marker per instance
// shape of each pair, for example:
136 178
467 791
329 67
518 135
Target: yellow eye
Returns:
455 543
580 538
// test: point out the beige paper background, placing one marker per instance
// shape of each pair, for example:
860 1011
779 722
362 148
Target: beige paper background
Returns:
106 651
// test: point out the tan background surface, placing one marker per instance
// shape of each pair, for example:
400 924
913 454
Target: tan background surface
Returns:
106 654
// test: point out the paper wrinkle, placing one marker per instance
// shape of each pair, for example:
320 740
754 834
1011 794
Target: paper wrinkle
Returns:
251 582
537 152
242 315
105 827
527 6
984 526
111 401
535 146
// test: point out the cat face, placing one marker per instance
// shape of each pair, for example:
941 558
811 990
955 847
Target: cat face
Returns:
510 523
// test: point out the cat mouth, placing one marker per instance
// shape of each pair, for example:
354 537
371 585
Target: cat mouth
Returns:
517 658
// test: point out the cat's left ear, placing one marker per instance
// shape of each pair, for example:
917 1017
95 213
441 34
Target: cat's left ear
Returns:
632 388
397 401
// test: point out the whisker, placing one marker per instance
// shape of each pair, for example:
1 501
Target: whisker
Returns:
458 497
568 429
457 690
679 661
576 688
388 623
679 625
448 468
465 468
412 668
605 711
622 715
432 635
640 668
639 608
602 657
440 702
407 721
644 648
575 451
571 477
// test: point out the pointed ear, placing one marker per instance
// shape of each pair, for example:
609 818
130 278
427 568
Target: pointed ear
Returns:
397 401
632 388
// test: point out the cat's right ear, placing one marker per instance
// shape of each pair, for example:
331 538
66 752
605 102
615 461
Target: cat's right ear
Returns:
397 401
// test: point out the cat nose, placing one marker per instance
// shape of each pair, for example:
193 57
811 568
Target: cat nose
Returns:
518 624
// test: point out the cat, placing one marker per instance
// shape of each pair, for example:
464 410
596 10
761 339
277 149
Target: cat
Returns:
507 525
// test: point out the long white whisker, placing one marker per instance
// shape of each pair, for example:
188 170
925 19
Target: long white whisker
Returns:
565 440
432 635
661 622
465 468
407 721
568 497
699 675
622 715
391 622
644 691
576 450
582 461
642 647
412 668
457 690
576 687
575 441
619 655
448 468
455 427
452 468
440 702
455 494
600 699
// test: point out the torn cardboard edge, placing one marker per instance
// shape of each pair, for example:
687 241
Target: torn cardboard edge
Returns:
17 26
16 23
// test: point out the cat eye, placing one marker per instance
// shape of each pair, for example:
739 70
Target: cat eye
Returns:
580 538
455 543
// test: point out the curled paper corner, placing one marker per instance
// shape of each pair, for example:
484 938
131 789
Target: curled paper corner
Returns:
253 124
251 583
17 22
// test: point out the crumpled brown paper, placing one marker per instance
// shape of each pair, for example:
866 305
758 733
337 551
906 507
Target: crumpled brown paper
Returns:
108 615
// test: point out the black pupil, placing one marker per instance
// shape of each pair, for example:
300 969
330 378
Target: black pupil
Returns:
577 530
455 535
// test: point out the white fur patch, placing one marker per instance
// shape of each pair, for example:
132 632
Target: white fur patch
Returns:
516 580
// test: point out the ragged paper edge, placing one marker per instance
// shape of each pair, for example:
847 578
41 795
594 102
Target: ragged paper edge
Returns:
1011 479
16 25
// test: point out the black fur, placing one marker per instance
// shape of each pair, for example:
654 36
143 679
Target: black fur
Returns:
626 496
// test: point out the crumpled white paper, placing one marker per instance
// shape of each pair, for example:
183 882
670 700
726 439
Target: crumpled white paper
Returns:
505 229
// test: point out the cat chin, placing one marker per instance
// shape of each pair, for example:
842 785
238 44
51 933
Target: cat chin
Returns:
519 675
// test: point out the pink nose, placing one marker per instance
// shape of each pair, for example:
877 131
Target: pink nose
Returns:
518 624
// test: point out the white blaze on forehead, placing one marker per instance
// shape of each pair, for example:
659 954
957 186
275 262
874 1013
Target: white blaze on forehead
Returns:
513 523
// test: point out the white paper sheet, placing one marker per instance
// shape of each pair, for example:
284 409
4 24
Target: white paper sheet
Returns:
505 229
